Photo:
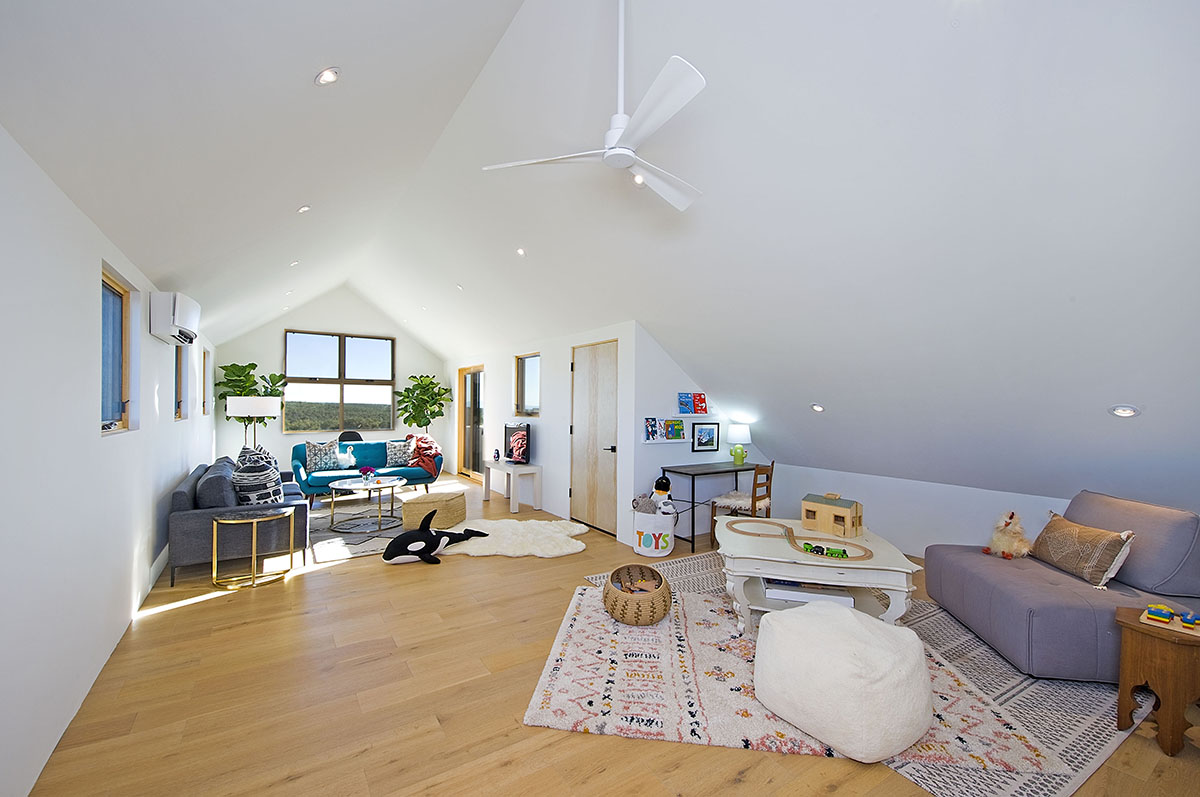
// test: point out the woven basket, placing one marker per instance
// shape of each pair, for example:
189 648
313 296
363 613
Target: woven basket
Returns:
645 608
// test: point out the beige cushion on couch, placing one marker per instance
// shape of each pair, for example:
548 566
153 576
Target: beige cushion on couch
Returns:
1093 554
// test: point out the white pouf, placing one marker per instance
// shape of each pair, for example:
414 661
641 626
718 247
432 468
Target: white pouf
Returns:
854 682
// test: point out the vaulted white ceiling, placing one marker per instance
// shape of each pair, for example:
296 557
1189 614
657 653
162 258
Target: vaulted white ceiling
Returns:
966 227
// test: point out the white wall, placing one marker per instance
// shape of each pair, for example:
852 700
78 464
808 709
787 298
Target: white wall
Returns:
79 558
659 381
550 431
912 514
341 310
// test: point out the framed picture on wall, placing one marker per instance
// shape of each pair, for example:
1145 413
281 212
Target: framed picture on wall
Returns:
706 436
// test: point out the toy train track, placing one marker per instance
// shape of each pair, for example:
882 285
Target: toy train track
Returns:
822 547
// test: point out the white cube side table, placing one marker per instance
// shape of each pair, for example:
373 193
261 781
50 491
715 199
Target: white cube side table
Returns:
512 485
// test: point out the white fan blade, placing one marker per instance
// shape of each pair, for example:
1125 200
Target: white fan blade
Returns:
675 86
591 155
665 184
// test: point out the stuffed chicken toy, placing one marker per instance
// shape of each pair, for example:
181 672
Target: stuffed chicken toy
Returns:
1008 538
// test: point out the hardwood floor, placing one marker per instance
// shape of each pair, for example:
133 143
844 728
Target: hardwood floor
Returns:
361 678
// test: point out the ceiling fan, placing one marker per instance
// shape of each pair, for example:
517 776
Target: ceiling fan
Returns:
676 85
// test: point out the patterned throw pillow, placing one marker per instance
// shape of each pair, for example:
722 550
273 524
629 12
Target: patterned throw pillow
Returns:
398 453
321 456
256 480
270 457
1094 555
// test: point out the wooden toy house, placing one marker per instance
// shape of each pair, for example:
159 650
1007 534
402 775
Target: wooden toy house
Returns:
831 514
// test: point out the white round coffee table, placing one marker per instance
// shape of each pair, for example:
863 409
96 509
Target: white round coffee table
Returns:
374 488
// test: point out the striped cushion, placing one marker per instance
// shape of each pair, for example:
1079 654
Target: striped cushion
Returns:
256 480
738 500
321 456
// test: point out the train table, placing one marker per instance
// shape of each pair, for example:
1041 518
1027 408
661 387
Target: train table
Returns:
756 548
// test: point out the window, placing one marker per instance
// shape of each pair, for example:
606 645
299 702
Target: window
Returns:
181 383
114 354
529 384
205 384
338 381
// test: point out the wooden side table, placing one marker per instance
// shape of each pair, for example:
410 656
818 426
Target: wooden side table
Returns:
1169 663
253 517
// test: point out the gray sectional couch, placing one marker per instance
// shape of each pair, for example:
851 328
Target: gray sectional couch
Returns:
1051 624
207 491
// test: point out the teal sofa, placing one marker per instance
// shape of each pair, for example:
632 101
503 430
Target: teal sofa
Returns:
371 452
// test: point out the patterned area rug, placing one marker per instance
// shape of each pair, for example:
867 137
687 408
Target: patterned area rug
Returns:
698 573
690 679
361 516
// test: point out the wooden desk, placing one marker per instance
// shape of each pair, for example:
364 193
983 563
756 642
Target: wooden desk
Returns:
512 473
1169 663
701 470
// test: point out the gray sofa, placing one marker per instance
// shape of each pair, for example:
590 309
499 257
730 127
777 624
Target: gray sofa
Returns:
1051 624
208 491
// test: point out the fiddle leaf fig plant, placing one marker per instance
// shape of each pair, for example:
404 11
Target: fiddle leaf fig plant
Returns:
422 401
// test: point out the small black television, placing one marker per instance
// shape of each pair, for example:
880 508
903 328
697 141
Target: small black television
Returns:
517 443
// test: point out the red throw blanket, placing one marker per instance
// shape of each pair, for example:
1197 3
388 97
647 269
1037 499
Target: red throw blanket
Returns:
424 449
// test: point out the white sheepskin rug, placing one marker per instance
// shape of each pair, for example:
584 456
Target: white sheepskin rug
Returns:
544 538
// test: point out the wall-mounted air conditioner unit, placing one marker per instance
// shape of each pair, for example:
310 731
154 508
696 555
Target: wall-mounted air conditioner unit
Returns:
174 318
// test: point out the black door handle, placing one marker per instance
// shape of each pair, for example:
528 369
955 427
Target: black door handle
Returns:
611 448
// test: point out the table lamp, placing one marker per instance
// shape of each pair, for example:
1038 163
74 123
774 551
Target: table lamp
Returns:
739 436
254 408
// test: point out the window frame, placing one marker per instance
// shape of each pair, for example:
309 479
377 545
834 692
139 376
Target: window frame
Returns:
205 384
182 365
520 407
113 283
340 380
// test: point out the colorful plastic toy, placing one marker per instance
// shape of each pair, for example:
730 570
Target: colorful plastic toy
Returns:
1189 619
821 550
1159 613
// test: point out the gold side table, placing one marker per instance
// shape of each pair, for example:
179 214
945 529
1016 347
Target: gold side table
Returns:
253 518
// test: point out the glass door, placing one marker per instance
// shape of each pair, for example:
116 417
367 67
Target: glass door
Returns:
470 414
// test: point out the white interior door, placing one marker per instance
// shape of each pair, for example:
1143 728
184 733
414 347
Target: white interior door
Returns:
594 435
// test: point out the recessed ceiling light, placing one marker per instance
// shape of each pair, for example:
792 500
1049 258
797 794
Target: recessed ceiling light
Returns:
286 308
460 287
304 208
424 308
817 407
1124 410
520 253
638 179
293 264
326 76
289 293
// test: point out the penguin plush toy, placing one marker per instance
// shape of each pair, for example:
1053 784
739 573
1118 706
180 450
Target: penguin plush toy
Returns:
424 543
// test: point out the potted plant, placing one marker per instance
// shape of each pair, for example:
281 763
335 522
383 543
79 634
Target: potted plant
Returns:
422 401
240 380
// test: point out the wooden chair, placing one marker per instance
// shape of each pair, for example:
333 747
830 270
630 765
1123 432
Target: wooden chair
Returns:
740 503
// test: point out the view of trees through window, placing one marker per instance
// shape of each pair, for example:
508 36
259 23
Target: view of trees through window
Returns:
338 381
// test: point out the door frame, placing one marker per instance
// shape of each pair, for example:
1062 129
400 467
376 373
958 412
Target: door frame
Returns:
461 422
571 421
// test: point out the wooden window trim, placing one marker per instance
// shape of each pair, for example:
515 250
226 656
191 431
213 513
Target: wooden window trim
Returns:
339 380
206 391
126 334
519 400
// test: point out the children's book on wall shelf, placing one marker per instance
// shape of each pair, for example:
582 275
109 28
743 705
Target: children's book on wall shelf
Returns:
693 404
664 430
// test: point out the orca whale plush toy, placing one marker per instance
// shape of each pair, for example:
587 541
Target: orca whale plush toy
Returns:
424 543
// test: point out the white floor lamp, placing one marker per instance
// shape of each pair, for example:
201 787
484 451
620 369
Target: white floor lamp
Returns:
255 407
